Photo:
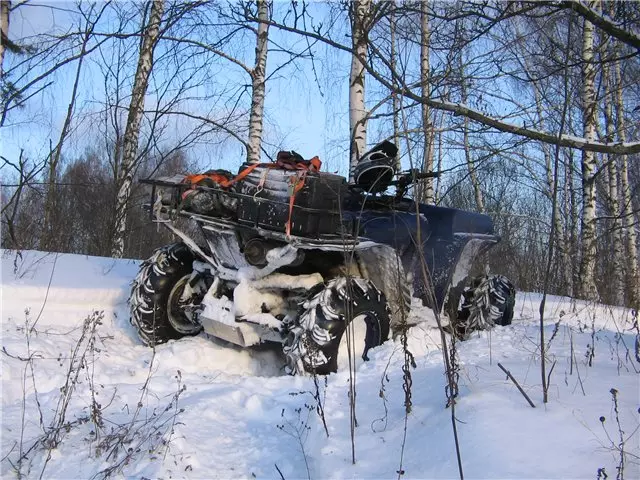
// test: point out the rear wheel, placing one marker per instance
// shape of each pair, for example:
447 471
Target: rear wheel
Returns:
339 325
488 301
158 301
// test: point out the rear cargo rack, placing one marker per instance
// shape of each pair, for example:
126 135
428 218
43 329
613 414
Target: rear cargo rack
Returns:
317 239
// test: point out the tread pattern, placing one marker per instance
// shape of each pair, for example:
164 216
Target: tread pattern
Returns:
312 344
150 292
489 301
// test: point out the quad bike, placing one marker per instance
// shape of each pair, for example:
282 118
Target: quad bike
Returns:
286 253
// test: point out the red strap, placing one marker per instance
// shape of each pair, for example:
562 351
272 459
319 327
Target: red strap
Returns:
198 177
221 179
195 179
316 163
244 173
312 165
297 182
297 186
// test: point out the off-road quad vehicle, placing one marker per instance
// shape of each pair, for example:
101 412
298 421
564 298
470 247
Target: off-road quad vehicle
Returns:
287 253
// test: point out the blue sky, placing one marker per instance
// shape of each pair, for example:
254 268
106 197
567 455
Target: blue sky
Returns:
297 115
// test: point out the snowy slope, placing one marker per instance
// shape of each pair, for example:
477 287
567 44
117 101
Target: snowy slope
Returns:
241 417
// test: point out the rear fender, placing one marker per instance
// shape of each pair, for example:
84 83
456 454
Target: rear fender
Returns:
383 266
450 240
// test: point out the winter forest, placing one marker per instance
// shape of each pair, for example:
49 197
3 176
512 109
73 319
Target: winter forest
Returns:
528 109
527 112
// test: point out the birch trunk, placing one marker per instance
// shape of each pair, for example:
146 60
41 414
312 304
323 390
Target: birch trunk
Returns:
587 287
258 80
5 6
570 220
425 87
395 101
628 223
132 130
357 110
574 222
612 190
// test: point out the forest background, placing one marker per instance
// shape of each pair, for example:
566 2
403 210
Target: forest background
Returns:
530 111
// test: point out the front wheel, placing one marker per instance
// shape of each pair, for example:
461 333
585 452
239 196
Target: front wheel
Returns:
338 326
158 310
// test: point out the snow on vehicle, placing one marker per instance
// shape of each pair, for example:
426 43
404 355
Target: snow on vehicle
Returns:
286 253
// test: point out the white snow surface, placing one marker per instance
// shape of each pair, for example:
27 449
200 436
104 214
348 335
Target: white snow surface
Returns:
242 417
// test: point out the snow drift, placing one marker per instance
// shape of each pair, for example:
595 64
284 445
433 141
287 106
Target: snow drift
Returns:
82 398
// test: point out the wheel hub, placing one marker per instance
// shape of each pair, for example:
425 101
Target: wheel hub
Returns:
181 305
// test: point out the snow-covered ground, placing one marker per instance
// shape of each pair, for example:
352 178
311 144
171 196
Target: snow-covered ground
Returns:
200 408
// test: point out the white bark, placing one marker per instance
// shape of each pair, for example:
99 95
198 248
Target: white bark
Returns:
427 126
574 219
258 79
395 101
357 110
568 238
587 287
5 6
628 223
132 131
612 188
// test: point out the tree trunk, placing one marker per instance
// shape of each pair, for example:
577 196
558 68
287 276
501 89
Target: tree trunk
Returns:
574 220
425 88
5 6
357 110
612 190
628 223
258 79
439 165
567 240
132 130
395 101
587 287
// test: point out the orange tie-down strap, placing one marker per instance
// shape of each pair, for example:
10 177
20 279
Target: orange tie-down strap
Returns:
296 184
285 160
224 181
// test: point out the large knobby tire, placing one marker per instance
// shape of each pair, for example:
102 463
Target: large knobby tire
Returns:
156 289
328 324
488 301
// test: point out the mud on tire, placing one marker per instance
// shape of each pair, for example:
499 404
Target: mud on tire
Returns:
313 344
151 289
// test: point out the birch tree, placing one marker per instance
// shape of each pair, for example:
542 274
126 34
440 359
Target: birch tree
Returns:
587 287
5 6
359 11
132 131
258 80
611 178
628 220
427 126
395 100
